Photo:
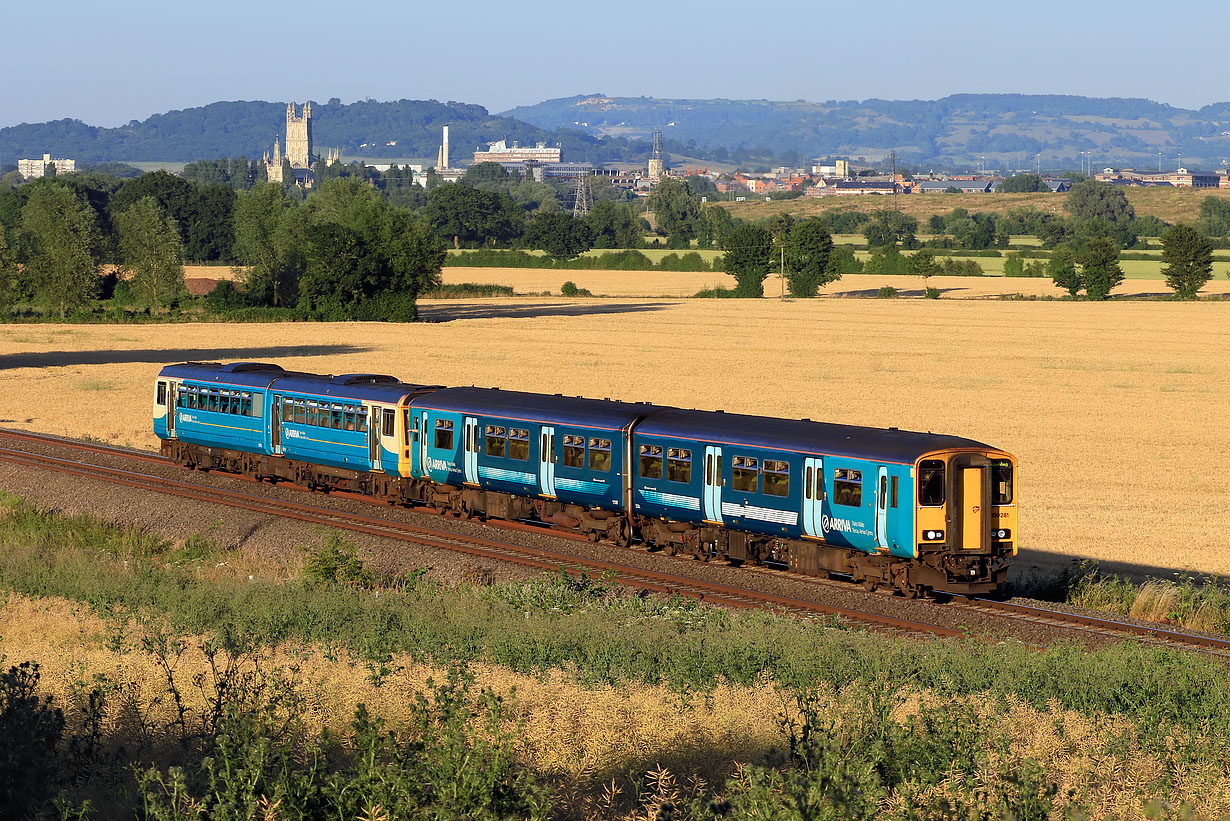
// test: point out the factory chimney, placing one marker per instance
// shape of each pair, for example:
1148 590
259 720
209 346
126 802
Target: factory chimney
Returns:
442 155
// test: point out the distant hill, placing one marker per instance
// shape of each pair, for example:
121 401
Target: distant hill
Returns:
401 128
1008 129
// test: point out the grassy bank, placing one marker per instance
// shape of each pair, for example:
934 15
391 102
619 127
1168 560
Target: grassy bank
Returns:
866 726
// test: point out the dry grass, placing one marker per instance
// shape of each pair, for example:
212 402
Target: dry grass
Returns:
1116 410
1171 205
592 741
682 284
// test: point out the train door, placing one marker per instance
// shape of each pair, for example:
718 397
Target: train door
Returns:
422 434
275 426
973 508
882 508
813 497
546 461
470 449
713 484
373 437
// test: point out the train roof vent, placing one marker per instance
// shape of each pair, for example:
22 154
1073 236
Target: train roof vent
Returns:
364 379
245 367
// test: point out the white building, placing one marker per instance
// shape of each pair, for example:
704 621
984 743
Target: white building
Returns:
31 169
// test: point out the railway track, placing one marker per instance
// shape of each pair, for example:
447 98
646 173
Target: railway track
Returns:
640 578
536 558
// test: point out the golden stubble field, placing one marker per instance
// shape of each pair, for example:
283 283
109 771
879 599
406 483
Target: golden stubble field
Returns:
687 283
1117 411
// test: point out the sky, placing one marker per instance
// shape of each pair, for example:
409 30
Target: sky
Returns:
108 63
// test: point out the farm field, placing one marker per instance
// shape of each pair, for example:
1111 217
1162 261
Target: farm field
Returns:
686 283
1169 204
1115 410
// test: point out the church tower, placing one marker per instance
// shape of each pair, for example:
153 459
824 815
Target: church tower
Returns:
299 136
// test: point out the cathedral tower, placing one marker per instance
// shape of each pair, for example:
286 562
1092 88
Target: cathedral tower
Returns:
299 136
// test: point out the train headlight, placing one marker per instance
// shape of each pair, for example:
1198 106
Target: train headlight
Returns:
933 535
1003 534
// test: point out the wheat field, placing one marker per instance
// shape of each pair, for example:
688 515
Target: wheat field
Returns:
1117 411
687 283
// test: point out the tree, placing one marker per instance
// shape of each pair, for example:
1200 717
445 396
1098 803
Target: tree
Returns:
1101 209
1100 271
1188 258
468 215
210 232
888 260
890 228
748 258
60 241
1062 269
613 225
676 209
809 251
1024 184
9 286
561 235
719 225
265 225
923 264
151 252
1214 217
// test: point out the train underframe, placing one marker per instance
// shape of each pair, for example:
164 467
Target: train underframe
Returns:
934 571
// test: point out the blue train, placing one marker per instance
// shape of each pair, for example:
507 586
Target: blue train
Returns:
894 509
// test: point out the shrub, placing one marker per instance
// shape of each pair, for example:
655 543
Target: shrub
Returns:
716 292
337 562
886 292
570 288
468 289
931 293
30 729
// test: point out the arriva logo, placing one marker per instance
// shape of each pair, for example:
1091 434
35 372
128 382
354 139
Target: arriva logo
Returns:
832 523
439 464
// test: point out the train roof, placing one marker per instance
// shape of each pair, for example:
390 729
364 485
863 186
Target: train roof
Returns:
536 407
372 387
800 435
246 374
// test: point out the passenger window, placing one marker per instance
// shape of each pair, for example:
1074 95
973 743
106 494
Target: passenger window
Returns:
892 493
224 402
651 462
311 414
776 478
162 395
518 443
361 419
1001 482
349 419
236 403
300 409
213 401
387 420
497 441
288 410
599 454
679 465
848 487
324 417
931 482
444 434
745 474
187 399
574 451
336 422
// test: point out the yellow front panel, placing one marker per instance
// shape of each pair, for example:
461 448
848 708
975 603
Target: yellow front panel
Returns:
971 508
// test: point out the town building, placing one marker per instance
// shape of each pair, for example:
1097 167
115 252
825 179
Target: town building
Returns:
32 169
503 152
1179 178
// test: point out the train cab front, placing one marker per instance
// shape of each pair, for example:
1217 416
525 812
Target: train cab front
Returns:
965 522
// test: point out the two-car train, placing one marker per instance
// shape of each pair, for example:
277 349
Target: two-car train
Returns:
889 508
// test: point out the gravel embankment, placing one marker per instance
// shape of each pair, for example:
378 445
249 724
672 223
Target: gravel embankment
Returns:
273 547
